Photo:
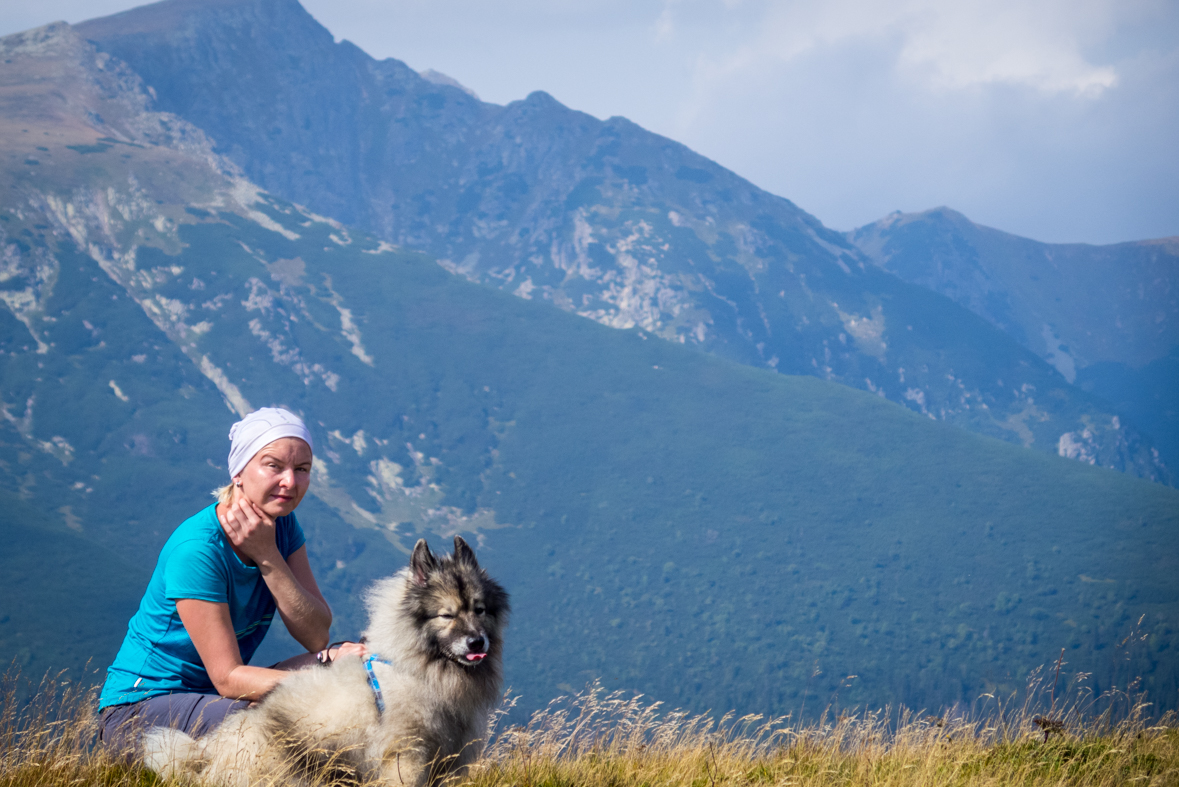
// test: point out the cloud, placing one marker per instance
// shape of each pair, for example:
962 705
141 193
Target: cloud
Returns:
1037 45
665 24
937 45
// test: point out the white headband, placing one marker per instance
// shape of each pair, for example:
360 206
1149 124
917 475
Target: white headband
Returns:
258 430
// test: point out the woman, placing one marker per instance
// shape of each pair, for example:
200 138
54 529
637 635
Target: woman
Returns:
220 577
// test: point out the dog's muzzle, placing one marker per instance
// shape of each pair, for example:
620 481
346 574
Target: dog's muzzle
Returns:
476 649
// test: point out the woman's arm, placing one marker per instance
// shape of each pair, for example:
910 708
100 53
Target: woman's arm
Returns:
209 627
211 630
305 612
301 605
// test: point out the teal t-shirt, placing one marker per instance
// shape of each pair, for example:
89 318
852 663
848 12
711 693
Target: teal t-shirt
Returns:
198 562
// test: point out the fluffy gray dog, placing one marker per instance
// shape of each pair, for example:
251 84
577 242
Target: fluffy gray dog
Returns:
414 714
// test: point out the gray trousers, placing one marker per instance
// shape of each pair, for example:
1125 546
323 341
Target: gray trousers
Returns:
195 714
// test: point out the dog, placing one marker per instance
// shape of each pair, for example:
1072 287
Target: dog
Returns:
414 713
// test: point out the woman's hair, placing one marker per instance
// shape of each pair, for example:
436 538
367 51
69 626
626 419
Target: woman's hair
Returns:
224 493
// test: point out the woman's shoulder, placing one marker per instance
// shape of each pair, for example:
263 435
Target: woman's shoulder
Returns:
202 526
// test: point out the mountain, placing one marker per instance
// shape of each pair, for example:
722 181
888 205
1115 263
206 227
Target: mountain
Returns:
600 218
1107 317
90 175
668 521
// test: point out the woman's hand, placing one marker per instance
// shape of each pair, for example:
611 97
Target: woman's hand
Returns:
250 531
323 657
348 649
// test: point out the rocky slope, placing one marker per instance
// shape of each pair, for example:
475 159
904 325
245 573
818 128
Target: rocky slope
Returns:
599 218
667 521
1107 317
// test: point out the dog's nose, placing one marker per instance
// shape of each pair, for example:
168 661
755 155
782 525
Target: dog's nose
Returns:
477 644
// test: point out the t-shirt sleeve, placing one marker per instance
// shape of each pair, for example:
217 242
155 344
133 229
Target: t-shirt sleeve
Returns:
194 571
290 535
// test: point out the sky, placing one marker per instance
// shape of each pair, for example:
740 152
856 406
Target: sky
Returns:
1052 119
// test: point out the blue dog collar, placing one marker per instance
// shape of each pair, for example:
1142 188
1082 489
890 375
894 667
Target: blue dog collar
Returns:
373 683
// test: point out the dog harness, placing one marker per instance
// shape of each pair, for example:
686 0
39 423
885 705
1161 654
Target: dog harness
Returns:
373 683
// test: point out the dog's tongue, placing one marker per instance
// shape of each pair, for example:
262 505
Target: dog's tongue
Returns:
476 656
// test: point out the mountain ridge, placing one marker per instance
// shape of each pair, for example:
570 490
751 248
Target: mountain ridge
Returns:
1106 316
1141 334
600 218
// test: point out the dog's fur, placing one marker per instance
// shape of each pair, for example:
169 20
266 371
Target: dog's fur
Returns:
429 622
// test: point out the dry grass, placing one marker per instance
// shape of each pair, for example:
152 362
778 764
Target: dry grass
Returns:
596 739
50 739
608 740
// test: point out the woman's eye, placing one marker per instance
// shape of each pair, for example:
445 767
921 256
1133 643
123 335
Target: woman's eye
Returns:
445 616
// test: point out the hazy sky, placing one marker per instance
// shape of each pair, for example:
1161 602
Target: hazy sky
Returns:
1054 119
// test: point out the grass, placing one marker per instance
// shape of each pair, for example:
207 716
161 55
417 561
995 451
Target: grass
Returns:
609 740
48 737
601 739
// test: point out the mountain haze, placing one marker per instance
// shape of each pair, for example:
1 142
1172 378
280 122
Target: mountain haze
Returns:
600 218
668 521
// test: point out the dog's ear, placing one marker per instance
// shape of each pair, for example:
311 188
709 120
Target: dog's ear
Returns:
422 564
463 553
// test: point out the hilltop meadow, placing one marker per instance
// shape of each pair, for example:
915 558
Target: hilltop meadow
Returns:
608 739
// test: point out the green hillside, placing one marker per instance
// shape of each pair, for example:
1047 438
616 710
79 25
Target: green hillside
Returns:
670 522
64 597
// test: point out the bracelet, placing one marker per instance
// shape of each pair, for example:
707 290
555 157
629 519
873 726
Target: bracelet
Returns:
324 657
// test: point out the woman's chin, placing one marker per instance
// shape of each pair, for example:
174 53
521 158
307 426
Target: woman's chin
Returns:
276 508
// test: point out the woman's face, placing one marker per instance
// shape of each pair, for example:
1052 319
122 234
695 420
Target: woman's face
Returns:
277 477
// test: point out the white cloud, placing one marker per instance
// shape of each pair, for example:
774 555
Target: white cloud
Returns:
1038 45
665 24
939 45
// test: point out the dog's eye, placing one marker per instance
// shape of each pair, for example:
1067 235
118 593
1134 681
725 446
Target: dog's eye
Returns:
479 610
